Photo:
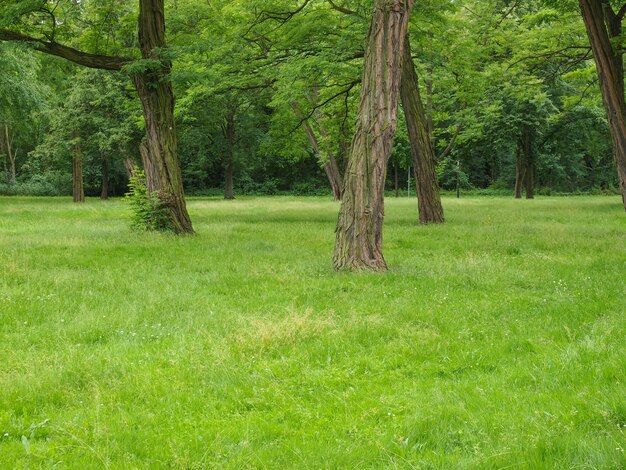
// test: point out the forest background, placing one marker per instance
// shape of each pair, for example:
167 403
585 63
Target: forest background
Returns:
267 95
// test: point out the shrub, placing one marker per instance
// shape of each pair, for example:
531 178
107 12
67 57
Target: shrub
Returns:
150 210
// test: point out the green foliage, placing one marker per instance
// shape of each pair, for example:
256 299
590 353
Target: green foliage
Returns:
150 209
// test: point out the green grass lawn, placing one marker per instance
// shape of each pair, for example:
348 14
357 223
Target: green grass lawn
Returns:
495 341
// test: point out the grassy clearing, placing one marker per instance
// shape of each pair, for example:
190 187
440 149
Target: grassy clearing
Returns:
495 341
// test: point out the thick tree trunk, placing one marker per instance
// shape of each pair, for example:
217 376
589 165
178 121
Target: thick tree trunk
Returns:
422 152
358 243
78 190
104 193
159 152
602 25
229 134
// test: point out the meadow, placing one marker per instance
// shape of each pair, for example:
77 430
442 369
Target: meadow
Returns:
496 340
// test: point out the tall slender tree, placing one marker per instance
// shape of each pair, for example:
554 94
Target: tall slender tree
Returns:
422 152
359 232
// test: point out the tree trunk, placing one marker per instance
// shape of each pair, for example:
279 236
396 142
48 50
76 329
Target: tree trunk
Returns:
520 171
229 134
422 152
78 190
104 194
10 154
528 159
358 243
129 166
602 25
331 167
530 180
158 151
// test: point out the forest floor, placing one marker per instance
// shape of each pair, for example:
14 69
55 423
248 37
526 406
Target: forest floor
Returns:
495 341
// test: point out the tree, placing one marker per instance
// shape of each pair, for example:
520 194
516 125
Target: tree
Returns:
422 152
358 243
151 78
604 29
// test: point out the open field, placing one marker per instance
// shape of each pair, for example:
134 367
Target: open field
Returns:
497 340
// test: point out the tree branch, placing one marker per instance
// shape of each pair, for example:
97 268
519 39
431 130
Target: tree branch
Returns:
94 61
342 9
452 143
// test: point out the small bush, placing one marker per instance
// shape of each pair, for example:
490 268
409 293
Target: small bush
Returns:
49 184
150 210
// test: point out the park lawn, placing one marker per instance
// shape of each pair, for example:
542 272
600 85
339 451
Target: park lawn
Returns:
496 340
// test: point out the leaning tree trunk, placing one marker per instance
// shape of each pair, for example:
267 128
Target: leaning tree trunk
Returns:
422 152
609 64
158 151
359 237
104 193
78 189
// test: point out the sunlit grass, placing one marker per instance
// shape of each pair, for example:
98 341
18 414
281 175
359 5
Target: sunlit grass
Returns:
495 340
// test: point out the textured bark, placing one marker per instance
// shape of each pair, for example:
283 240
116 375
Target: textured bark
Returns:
422 152
602 25
78 190
159 150
104 193
358 243
229 134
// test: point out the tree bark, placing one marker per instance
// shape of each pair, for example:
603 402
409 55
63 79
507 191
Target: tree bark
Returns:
104 193
358 244
422 152
229 134
602 25
78 190
159 150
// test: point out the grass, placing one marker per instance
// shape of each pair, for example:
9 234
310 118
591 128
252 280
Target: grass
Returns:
495 341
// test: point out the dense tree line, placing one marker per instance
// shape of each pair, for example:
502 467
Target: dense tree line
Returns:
312 96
